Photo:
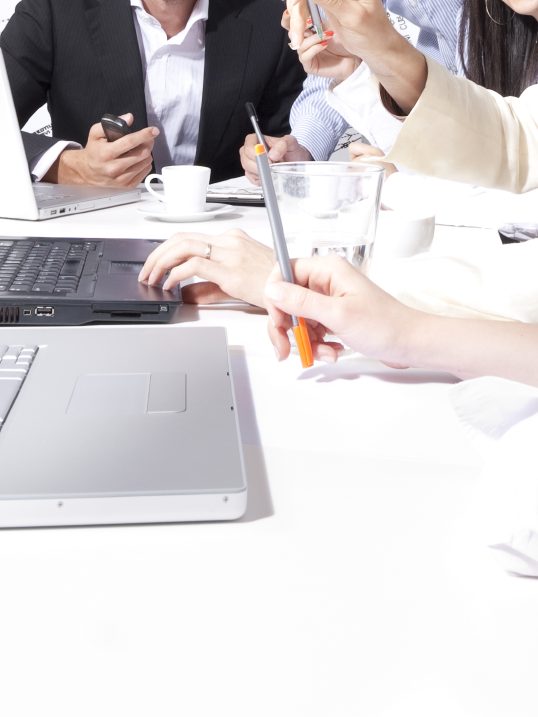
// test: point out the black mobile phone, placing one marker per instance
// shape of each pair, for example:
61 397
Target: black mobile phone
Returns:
114 127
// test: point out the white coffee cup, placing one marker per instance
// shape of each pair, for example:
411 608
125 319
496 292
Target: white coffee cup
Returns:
403 233
185 188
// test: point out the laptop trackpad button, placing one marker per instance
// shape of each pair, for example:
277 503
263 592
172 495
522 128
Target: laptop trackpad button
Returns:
167 392
128 394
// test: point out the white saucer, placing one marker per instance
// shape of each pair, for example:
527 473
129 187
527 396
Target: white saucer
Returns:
157 210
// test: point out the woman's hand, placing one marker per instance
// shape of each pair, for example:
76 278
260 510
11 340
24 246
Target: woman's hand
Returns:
233 265
336 298
324 56
361 26
361 152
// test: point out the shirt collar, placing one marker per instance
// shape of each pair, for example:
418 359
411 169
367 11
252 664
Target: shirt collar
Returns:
199 11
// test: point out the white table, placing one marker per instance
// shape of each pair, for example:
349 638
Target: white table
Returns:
355 586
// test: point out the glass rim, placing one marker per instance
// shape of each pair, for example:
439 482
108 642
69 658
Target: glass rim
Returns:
357 167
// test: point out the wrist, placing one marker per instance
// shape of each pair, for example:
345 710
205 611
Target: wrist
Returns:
66 167
401 71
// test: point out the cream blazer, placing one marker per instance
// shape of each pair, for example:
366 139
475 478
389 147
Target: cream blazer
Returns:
459 130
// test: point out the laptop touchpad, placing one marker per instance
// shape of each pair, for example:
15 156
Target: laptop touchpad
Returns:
121 394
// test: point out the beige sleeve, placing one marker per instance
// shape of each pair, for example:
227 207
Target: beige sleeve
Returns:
459 130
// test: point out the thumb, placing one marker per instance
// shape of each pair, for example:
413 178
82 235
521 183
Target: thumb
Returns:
278 150
128 117
299 301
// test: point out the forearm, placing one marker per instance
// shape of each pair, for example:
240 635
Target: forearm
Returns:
469 347
498 151
401 70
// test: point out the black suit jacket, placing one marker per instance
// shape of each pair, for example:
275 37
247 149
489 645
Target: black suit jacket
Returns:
81 57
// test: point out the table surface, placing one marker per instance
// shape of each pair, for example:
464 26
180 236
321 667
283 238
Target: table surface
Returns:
357 584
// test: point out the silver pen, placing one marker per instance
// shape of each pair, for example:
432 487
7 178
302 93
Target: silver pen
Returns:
315 17
299 327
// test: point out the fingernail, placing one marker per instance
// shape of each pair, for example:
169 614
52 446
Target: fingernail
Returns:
328 33
324 43
292 46
155 131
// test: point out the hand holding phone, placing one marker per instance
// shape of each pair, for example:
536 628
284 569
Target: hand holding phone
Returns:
114 127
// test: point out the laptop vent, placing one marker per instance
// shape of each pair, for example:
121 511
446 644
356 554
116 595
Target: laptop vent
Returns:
9 314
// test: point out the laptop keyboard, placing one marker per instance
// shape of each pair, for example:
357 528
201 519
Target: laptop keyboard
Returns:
15 362
40 266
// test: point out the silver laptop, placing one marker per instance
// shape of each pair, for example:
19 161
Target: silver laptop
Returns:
19 197
106 425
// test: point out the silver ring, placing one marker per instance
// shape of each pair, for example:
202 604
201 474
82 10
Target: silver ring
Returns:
208 249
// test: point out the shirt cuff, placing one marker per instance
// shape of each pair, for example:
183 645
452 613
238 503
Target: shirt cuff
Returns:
320 141
43 162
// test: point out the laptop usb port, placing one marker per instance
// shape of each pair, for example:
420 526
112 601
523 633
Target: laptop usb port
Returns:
44 311
53 212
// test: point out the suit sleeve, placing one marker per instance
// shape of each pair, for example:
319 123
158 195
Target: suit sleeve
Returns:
459 130
26 43
278 97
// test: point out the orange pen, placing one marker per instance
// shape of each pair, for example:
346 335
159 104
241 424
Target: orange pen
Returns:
299 328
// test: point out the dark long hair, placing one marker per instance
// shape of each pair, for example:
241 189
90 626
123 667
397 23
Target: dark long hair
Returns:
502 55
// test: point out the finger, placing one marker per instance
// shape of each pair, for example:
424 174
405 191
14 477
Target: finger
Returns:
307 58
175 250
299 301
248 161
135 174
200 267
278 149
250 142
253 178
279 339
130 141
298 16
96 132
128 117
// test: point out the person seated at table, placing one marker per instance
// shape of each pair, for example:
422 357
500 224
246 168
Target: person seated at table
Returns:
497 49
500 149
335 298
456 128
183 67
318 126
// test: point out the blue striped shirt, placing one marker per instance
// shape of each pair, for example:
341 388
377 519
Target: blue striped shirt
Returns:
318 127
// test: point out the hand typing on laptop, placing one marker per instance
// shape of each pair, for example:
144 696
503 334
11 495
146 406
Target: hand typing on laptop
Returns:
232 265
123 163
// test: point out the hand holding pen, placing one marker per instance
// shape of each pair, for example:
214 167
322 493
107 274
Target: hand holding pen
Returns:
299 328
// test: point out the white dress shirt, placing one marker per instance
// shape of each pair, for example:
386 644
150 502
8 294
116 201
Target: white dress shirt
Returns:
430 25
173 82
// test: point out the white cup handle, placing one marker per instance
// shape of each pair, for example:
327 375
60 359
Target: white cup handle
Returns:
147 184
